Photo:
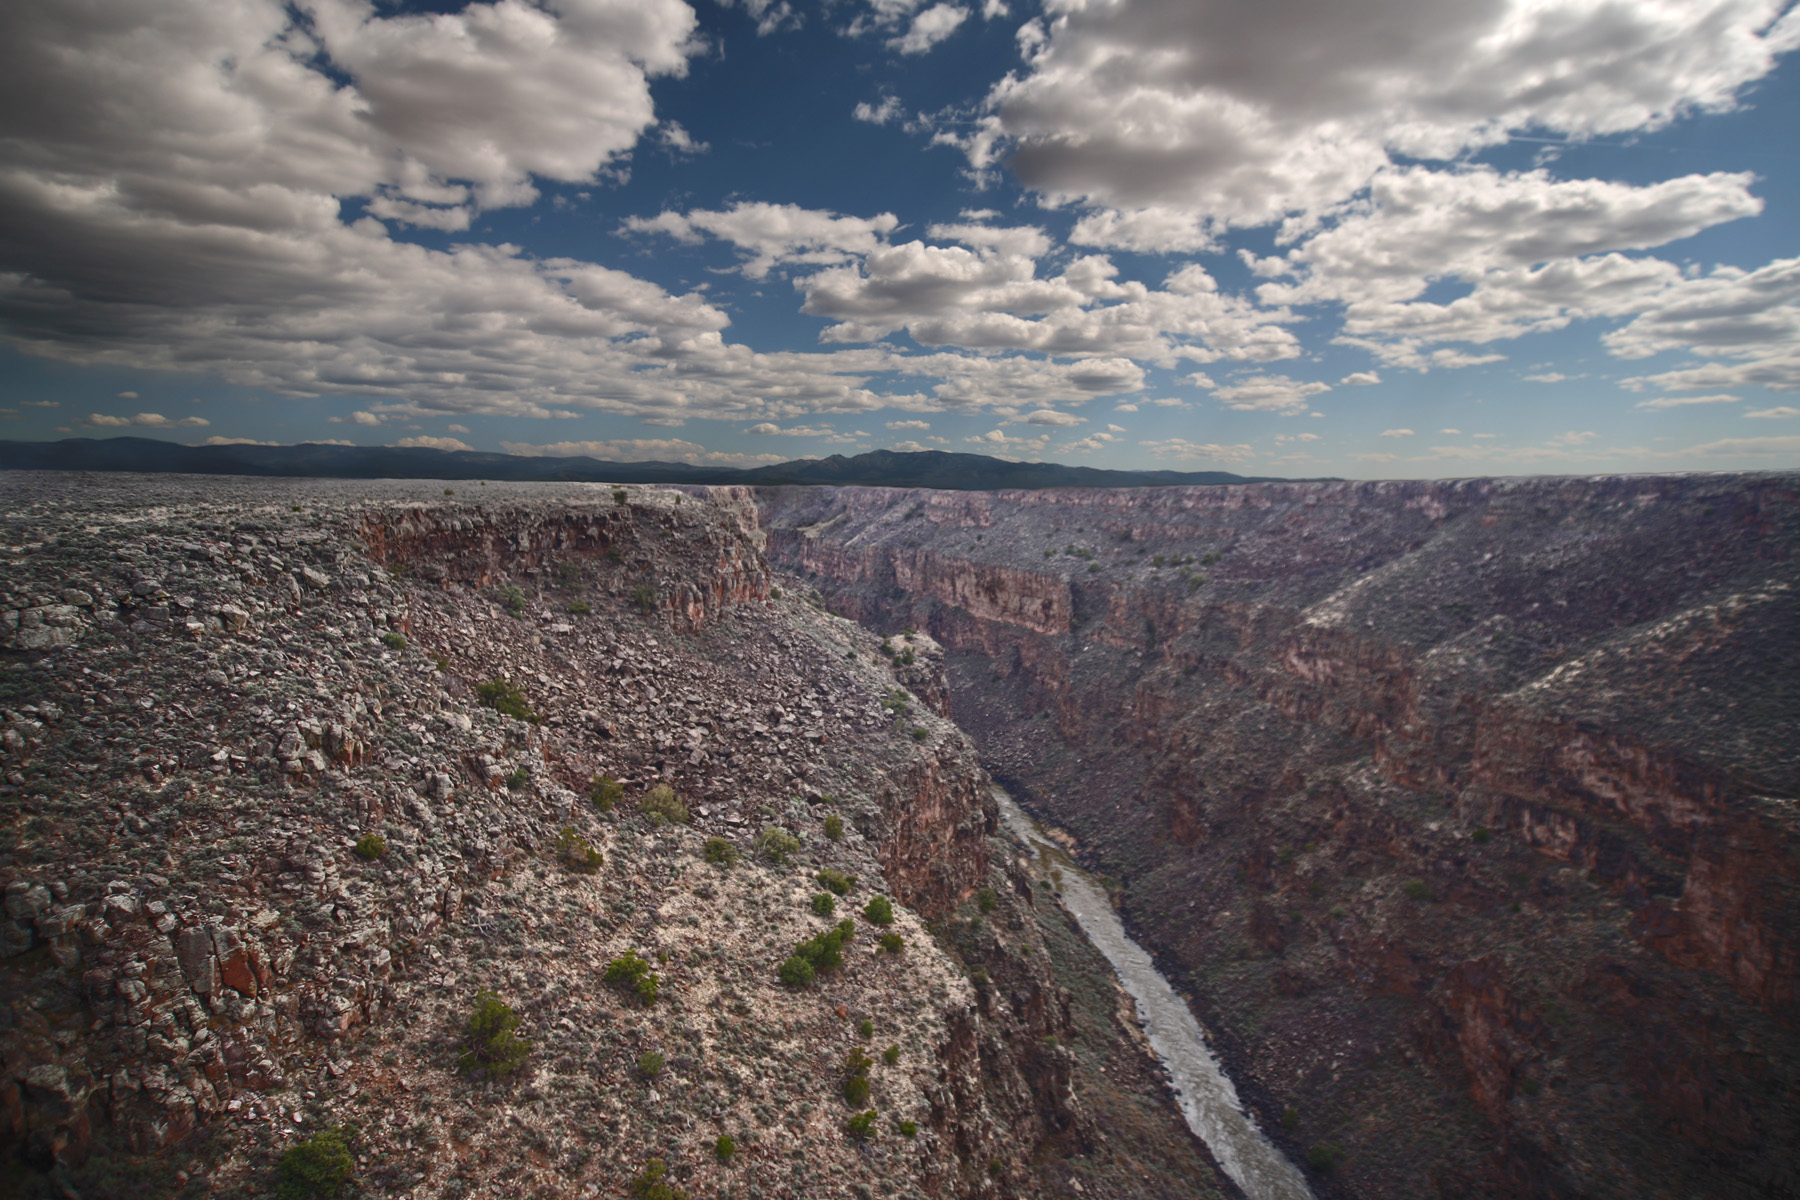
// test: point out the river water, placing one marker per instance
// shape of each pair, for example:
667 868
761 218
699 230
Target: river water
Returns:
1208 1100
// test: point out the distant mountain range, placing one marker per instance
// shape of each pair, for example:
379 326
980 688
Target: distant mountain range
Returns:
878 468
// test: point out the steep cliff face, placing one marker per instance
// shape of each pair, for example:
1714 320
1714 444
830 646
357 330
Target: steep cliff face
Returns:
1466 809
309 768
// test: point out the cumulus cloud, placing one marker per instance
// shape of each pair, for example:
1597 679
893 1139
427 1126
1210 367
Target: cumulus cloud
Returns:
1547 377
771 235
1396 433
456 429
643 450
1244 113
908 447
1049 416
148 420
1270 393
920 425
929 27
1359 379
1749 318
1686 401
771 16
1181 448
427 442
877 114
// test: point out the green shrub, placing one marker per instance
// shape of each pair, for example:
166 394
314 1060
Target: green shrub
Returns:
1416 889
504 697
836 882
898 703
518 779
650 1064
606 792
490 1045
1324 1157
449 491
632 976
834 826
909 1129
644 596
316 1167
856 1090
619 495
580 607
866 1027
776 843
986 899
724 1148
920 733
513 600
660 805
892 942
576 853
796 972
861 1126
1290 1120
879 911
393 641
891 1055
652 1183
1482 835
720 852
823 904
371 846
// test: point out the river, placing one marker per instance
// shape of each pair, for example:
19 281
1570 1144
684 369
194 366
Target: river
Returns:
1207 1098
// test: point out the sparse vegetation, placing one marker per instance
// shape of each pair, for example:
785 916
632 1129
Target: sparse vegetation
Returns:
776 843
606 793
1290 1120
518 779
644 596
490 1046
661 805
861 1126
631 975
834 826
879 911
1482 835
724 1148
856 1078
909 1128
619 495
720 852
1324 1157
513 600
892 943
986 899
1417 889
576 853
652 1183
371 846
823 904
891 1055
836 881
821 952
580 607
504 697
650 1064
393 641
317 1167
920 733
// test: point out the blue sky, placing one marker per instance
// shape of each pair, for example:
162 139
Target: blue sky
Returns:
1371 238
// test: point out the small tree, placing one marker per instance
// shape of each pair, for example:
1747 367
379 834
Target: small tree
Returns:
315 1168
879 911
606 792
720 852
504 697
834 826
371 846
632 976
776 843
576 853
652 1183
490 1045
823 904
660 804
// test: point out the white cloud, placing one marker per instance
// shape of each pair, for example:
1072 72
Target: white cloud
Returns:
643 450
1785 447
1546 377
929 28
991 9
1214 452
774 234
456 429
427 442
126 396
361 417
1685 401
770 429
1779 412
1049 416
679 140
877 114
1396 433
1269 393
920 425
147 420
908 447
1156 229
1751 318
1449 432
1359 379
771 16
1244 113
216 440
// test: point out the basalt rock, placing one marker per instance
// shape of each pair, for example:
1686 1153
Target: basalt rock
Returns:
1466 808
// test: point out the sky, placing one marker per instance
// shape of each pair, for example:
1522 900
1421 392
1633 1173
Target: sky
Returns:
1365 238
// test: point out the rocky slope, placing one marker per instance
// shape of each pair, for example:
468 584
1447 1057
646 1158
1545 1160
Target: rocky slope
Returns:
1467 810
296 772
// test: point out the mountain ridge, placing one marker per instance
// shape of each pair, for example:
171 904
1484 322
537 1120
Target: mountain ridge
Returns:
876 468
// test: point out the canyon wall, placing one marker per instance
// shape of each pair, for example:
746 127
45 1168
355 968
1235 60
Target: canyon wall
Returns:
1465 810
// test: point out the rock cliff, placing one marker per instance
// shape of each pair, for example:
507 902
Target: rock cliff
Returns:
1467 809
297 774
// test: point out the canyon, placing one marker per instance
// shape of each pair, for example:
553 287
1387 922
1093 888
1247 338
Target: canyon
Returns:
1462 812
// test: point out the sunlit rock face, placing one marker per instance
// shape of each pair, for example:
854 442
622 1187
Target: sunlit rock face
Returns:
1465 810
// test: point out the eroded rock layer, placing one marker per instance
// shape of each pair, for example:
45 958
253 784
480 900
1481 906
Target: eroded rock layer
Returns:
295 773
1467 810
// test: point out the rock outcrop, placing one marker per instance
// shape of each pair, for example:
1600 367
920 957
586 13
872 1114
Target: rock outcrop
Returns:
1466 809
303 770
